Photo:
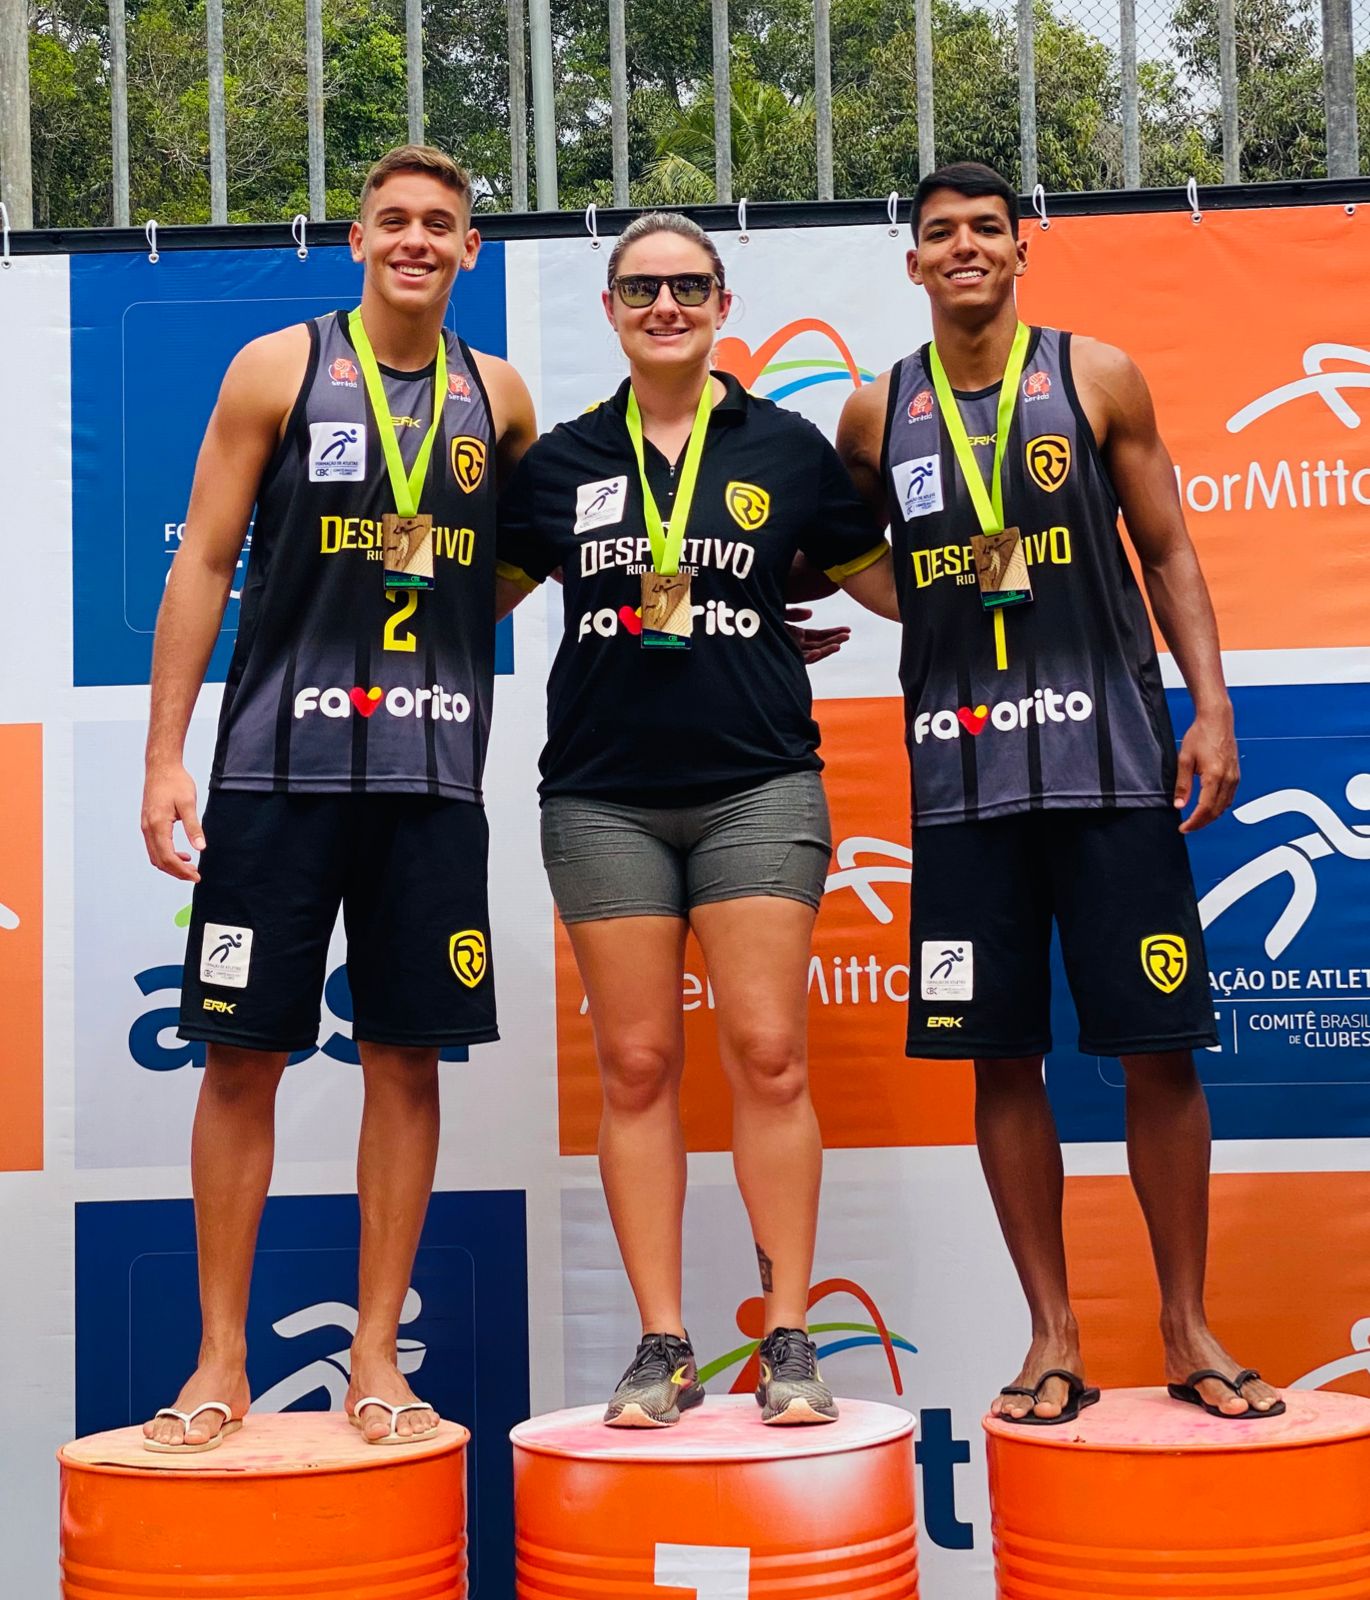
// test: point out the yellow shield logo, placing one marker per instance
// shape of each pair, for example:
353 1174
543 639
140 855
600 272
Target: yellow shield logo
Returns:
466 952
1165 960
747 505
1048 460
468 461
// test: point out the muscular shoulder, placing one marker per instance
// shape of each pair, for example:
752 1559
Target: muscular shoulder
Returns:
861 432
1107 378
263 379
511 406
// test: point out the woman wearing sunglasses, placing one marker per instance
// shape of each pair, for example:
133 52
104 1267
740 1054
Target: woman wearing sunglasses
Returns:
680 781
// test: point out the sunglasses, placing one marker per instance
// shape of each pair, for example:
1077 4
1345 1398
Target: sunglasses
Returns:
640 289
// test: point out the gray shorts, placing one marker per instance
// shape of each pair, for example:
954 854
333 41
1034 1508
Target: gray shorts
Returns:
609 860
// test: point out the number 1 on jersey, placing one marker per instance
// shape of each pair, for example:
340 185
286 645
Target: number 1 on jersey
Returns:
409 604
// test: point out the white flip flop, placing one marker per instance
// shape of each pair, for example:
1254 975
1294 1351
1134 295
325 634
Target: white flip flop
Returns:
394 1436
185 1418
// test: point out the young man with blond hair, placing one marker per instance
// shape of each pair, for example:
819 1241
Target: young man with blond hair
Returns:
348 765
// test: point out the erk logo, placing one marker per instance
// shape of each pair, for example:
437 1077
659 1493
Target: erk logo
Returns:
945 1022
468 461
1165 960
747 505
1048 461
224 1007
467 953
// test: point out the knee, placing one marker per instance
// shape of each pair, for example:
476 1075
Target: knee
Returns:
1168 1072
1009 1078
769 1066
637 1076
241 1079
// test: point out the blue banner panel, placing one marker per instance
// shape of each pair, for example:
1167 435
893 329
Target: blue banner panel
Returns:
149 347
463 1333
1284 893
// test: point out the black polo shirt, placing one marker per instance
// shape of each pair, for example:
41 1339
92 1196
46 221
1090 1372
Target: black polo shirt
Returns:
667 727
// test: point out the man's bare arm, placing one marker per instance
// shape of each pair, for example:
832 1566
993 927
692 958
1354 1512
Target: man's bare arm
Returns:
1115 392
861 440
256 396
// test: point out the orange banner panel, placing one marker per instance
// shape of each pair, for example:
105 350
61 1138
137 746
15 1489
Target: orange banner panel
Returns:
1288 1281
21 947
1252 329
866 1091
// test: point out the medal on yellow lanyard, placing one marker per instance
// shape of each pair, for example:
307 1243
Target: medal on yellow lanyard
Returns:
1000 561
406 532
667 616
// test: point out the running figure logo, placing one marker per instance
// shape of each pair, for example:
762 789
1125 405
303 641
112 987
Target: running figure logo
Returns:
338 448
228 943
1331 836
951 959
333 1372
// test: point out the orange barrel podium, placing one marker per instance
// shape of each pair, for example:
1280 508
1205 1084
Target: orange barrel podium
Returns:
718 1505
295 1504
1143 1498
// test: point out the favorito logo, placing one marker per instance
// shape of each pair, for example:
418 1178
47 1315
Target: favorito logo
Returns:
435 703
715 617
1008 716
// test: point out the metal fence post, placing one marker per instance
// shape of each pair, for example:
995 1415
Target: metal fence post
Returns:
544 103
927 139
218 136
1027 95
16 139
618 97
413 61
118 109
518 109
1227 81
723 105
313 48
1339 89
1132 129
822 92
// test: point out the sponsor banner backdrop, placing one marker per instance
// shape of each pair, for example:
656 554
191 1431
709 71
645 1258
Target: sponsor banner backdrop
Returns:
518 1300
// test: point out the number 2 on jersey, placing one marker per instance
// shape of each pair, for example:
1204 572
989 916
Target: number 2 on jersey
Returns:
409 604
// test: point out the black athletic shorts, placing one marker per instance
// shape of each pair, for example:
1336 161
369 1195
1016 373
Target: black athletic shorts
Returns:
409 872
1118 884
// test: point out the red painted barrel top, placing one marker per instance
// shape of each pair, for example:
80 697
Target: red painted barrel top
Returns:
1146 1420
727 1428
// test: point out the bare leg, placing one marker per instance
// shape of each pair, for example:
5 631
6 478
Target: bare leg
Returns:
231 1153
758 953
631 968
1021 1156
396 1157
1168 1149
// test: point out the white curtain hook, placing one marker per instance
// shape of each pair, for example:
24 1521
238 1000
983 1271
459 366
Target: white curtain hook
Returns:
297 233
592 224
1039 205
4 235
1191 190
150 233
742 235
892 208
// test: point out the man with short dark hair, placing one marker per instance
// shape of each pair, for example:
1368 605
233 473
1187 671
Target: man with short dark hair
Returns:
349 759
1045 780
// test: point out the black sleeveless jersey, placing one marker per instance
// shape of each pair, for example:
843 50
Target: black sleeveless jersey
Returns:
337 685
1061 705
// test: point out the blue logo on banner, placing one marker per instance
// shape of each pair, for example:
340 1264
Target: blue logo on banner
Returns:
1284 895
463 1338
149 348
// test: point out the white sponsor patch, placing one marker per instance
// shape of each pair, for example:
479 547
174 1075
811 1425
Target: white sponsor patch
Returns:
919 484
948 969
225 955
337 452
599 504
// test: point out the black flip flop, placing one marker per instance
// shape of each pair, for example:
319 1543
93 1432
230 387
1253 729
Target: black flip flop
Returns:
1078 1396
1188 1392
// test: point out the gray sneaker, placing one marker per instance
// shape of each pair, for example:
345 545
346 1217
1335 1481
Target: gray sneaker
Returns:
661 1382
791 1387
